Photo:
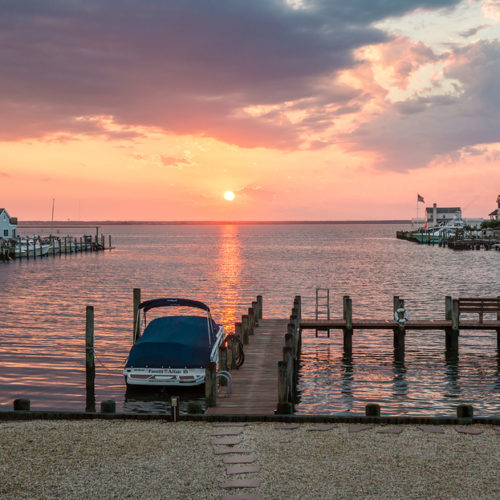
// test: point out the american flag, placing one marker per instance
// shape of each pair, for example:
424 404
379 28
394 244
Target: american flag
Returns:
420 198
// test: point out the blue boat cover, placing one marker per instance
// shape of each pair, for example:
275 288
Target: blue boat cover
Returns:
149 304
175 342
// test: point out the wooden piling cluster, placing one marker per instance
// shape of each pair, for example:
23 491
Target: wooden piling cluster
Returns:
288 367
229 351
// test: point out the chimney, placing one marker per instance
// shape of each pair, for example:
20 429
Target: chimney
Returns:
434 214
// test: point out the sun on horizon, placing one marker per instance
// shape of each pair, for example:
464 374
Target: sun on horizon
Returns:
229 196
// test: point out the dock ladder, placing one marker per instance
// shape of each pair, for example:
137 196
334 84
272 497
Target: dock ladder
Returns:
323 307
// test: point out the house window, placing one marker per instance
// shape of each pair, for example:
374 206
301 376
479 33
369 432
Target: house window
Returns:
6 232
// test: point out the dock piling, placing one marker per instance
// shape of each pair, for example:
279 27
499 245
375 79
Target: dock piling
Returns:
108 406
90 360
259 307
210 384
22 404
347 307
245 329
400 329
137 301
223 363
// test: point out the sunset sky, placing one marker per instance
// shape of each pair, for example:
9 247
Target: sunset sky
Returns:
305 109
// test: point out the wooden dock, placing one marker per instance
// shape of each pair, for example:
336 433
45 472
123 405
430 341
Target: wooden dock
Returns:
255 383
373 324
266 383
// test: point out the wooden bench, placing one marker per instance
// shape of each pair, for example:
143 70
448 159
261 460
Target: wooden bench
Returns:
479 306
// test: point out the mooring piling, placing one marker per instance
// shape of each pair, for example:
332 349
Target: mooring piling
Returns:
90 360
22 404
210 384
136 324
347 307
245 329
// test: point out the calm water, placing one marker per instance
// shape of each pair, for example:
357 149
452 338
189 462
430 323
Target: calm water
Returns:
42 323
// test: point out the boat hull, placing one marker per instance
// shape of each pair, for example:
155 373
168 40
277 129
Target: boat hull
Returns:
158 377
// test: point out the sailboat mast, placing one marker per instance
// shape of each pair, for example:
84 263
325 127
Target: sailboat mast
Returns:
52 223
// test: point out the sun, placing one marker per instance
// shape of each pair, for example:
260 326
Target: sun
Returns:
229 196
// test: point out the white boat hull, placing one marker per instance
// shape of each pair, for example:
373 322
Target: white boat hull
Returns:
164 377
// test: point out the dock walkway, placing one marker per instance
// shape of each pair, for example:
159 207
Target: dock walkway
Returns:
374 324
255 383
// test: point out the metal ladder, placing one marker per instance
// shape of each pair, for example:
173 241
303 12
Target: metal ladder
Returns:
323 307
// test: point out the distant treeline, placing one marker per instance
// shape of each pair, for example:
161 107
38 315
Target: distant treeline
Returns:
209 223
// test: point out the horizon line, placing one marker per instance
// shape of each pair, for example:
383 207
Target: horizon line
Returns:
216 222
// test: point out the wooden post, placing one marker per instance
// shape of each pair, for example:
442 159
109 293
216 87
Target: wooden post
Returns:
210 384
400 330
347 306
236 346
223 363
372 410
251 321
245 329
65 245
292 335
298 305
259 302
108 406
22 405
284 406
230 355
109 242
447 307
465 414
90 360
453 333
255 309
137 326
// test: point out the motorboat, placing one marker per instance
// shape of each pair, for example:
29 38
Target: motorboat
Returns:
172 350
28 247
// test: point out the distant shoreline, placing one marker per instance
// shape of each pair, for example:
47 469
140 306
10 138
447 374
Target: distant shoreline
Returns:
208 223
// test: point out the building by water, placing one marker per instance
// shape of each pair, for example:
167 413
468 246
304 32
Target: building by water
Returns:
495 215
8 225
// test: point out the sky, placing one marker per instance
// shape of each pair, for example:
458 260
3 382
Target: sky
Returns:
304 109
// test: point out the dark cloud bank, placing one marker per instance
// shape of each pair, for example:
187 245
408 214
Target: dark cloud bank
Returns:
191 66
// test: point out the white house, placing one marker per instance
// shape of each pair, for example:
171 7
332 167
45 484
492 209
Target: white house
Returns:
435 215
8 225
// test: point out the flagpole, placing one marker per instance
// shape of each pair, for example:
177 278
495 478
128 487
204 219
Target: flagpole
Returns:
417 212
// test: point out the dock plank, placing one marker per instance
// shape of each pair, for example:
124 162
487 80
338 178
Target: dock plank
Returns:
255 383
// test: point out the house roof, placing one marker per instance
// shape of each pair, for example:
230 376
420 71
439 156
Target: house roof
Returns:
495 212
444 210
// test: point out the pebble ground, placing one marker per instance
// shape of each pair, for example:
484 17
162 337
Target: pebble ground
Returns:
151 460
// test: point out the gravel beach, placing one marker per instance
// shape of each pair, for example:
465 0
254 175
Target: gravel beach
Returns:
155 459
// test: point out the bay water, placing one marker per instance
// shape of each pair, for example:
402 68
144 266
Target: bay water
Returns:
43 302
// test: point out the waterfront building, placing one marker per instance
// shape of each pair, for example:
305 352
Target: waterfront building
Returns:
495 215
441 215
8 225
